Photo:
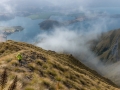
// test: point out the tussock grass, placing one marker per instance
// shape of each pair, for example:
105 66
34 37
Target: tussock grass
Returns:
3 79
13 85
43 69
29 88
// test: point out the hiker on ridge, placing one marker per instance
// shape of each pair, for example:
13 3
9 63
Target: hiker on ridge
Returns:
19 57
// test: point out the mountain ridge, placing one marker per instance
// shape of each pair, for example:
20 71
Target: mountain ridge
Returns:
44 69
107 46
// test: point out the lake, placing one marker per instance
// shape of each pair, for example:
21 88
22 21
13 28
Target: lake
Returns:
32 29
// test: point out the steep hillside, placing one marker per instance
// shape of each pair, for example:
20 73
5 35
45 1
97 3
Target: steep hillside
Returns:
108 46
46 70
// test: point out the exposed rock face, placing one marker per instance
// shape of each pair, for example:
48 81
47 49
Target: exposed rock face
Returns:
108 46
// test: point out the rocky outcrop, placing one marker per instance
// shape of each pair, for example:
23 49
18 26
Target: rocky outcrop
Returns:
108 46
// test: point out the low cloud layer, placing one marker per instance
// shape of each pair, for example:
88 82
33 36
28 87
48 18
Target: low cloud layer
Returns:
72 42
101 3
76 42
13 5
66 40
2 37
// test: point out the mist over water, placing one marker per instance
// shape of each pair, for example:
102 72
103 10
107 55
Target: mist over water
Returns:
74 40
31 28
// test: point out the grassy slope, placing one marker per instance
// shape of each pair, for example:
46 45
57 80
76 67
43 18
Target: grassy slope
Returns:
104 46
48 70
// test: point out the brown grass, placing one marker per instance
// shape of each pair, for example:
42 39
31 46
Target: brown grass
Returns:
13 85
3 79
48 70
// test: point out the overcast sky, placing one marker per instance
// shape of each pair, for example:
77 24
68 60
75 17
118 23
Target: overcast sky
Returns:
68 2
100 3
11 5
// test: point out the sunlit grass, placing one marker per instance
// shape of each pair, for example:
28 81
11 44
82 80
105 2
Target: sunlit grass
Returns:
59 71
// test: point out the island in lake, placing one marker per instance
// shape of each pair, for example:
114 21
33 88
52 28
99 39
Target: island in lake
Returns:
50 24
5 30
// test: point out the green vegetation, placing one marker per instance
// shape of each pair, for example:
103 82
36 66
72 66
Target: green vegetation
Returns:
43 15
39 16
